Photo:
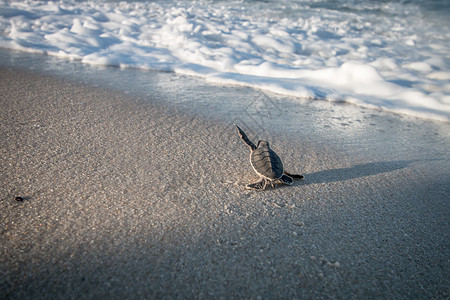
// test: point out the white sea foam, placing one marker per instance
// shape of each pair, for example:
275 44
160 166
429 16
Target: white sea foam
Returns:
388 55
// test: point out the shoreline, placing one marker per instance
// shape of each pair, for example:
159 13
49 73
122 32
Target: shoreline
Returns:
125 197
148 82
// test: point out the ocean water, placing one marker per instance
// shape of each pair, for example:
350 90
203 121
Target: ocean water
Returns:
390 55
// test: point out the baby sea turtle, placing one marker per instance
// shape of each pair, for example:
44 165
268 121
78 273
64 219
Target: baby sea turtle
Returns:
266 163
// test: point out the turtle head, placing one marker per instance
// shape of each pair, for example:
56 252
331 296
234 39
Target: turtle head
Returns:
263 144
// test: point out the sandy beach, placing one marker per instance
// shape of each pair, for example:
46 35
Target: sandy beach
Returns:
124 197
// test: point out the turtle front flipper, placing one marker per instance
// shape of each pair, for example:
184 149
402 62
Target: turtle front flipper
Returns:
259 185
286 179
245 138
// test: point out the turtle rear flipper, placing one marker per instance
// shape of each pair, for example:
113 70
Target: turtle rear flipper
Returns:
259 185
286 179
295 176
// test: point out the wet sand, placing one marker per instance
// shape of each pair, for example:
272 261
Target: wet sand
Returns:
127 198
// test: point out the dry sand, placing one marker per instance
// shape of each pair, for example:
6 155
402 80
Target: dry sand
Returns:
126 198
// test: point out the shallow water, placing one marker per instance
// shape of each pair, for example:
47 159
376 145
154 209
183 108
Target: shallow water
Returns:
379 54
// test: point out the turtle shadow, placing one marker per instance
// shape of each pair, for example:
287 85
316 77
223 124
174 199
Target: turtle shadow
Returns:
354 172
